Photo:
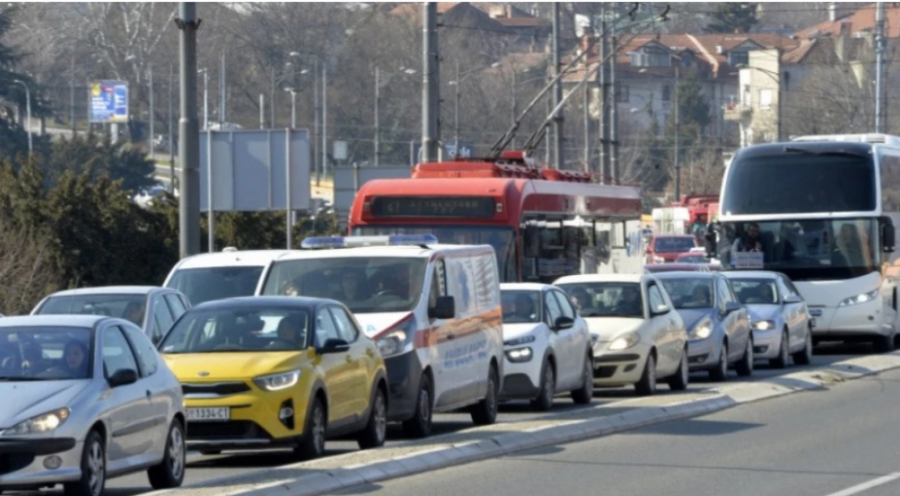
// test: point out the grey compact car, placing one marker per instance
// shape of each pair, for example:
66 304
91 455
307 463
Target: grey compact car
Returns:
152 308
86 398
778 315
718 325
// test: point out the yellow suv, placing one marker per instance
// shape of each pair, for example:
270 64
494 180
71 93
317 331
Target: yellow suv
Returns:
264 372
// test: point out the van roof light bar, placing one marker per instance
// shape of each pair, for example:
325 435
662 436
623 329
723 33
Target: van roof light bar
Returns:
321 243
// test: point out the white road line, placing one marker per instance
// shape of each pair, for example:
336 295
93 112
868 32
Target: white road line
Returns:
865 486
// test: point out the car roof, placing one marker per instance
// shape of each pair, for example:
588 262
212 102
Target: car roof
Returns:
681 274
251 302
110 290
52 321
384 251
751 274
249 258
524 286
600 278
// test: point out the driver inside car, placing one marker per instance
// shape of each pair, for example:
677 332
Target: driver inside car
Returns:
352 286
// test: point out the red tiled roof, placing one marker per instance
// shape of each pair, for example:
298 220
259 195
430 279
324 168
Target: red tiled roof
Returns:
519 22
861 20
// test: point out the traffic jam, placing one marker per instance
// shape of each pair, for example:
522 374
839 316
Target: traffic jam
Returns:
468 286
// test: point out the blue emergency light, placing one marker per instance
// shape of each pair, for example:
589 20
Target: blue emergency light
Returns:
360 241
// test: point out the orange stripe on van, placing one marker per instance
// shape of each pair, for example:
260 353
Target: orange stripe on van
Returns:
459 328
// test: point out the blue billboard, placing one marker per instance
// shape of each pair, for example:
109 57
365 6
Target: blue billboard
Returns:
109 101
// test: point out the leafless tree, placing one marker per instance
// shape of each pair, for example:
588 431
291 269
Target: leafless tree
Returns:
25 269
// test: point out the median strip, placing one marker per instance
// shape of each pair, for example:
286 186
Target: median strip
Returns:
331 474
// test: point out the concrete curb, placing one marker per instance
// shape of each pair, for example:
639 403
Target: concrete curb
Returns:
328 481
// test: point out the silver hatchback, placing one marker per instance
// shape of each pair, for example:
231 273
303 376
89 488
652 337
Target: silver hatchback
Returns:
86 398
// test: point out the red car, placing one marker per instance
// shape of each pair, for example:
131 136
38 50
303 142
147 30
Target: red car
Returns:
667 247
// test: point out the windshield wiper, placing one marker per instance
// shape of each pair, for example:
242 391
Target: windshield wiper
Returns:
827 153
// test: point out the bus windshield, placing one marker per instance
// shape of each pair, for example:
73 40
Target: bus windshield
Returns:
501 238
799 183
807 249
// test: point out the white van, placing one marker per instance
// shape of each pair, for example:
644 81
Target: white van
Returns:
216 276
434 311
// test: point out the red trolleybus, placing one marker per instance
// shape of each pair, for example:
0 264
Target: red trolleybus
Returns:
542 223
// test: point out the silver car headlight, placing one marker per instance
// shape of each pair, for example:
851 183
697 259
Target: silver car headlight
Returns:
519 355
47 422
855 300
701 330
277 382
519 341
625 341
764 325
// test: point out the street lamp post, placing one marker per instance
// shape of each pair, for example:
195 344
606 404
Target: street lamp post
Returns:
205 72
319 62
378 85
28 113
456 83
293 108
152 135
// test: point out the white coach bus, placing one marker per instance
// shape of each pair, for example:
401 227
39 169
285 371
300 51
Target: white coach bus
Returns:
821 210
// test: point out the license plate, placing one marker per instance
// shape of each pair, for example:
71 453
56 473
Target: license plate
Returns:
209 414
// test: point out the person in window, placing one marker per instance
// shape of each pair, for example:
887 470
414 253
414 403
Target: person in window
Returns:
749 241
710 238
291 332
134 313
293 287
629 302
33 356
581 299
765 295
74 365
701 297
352 282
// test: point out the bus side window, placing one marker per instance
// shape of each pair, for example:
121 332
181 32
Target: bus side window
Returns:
890 181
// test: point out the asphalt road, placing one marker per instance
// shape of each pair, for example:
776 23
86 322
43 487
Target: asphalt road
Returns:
841 442
205 468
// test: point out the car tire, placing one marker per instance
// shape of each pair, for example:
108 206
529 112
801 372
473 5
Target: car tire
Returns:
544 400
375 432
883 344
485 411
420 424
585 394
805 357
93 469
313 444
646 386
744 368
169 473
781 362
681 379
720 373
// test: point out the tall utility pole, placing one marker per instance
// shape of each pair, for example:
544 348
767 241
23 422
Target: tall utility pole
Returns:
377 118
431 103
72 96
171 127
456 114
587 126
677 141
613 115
272 101
515 104
604 98
879 68
222 93
558 150
152 108
189 151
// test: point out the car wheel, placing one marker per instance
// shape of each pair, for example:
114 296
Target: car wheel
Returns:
781 362
805 357
485 412
744 368
313 443
544 401
376 429
585 394
93 469
884 344
679 381
420 424
720 373
170 472
647 385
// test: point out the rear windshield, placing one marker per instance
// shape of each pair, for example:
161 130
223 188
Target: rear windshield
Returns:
670 245
216 283
128 306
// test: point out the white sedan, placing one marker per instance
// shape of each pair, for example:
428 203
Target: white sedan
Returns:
547 346
638 336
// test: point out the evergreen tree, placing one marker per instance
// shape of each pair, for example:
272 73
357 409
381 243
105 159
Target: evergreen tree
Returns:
732 18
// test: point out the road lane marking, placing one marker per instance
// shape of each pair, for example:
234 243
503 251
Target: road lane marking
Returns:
865 486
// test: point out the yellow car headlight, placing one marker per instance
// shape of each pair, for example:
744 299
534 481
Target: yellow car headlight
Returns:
277 382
